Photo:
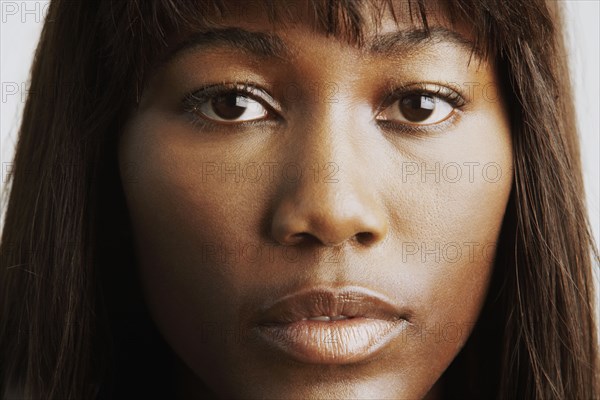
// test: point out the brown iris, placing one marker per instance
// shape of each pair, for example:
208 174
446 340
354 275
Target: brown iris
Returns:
417 107
229 106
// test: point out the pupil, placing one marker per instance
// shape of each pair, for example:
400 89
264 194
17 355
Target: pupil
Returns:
417 108
229 106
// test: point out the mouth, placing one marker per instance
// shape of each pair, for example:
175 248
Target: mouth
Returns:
326 326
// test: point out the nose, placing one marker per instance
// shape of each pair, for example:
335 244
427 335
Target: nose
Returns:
336 199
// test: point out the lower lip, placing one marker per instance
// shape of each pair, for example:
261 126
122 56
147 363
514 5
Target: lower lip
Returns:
333 342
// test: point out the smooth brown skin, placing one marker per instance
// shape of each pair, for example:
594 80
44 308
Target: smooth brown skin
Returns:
357 230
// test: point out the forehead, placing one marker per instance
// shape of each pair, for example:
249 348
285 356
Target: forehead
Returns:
384 26
349 20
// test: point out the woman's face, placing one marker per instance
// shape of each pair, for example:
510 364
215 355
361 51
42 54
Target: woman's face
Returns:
313 218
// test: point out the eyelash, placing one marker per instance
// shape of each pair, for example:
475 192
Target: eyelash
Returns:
194 99
449 94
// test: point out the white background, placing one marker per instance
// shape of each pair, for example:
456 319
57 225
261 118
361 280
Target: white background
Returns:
21 23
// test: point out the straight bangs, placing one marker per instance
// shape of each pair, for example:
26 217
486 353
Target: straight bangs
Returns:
145 30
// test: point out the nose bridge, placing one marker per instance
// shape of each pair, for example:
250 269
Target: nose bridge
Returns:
335 200
332 158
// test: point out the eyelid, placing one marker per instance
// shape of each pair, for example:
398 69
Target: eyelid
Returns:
446 92
192 99
419 130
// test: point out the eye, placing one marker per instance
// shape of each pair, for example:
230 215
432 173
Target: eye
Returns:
417 109
232 107
226 104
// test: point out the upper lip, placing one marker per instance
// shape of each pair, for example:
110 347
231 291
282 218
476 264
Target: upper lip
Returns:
350 301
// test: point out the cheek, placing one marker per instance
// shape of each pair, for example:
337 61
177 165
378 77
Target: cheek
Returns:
454 195
184 217
196 243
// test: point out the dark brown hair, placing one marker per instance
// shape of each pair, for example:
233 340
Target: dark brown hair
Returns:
73 325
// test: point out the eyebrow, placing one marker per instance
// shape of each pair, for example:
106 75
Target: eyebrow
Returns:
267 45
412 39
258 44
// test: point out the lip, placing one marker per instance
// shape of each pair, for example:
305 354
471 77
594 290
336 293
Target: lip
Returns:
373 322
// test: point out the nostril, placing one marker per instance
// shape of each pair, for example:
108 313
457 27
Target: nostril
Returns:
301 237
365 237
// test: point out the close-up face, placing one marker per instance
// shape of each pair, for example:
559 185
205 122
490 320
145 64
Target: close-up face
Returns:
314 217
